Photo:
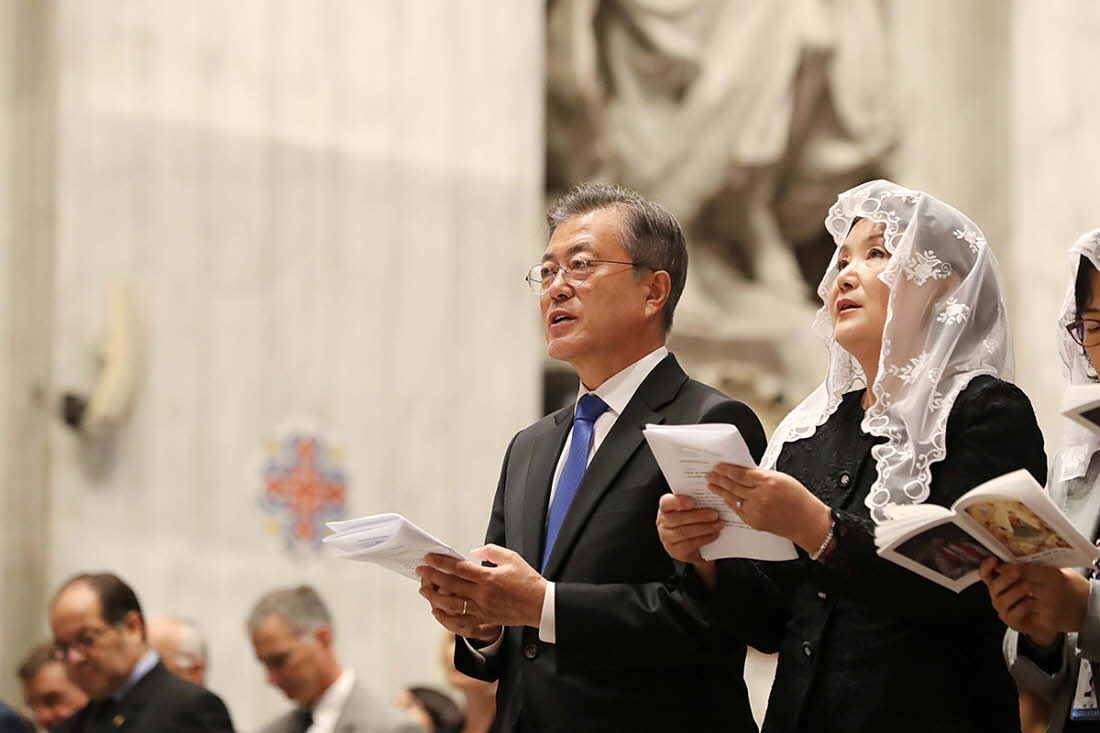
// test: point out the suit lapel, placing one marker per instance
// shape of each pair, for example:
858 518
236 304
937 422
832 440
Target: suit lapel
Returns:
127 711
545 450
625 437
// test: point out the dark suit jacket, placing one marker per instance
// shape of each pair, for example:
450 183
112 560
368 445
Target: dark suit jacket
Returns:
159 703
635 649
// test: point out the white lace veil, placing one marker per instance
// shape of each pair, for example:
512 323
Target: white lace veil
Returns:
946 323
1079 443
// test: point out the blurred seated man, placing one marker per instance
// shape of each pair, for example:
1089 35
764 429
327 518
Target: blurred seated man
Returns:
99 635
47 690
291 631
181 646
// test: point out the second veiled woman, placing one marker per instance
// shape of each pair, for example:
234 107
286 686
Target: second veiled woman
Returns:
1055 642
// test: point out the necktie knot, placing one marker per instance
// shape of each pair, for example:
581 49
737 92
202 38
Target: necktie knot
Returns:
590 407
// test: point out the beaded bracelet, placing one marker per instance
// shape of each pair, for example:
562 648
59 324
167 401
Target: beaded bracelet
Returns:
825 544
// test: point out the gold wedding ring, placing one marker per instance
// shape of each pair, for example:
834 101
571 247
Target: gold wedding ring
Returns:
465 605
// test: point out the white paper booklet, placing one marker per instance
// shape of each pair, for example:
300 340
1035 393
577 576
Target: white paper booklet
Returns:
388 540
1010 516
1081 403
686 454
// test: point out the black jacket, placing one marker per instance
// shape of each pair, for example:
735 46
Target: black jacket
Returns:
634 652
159 703
864 644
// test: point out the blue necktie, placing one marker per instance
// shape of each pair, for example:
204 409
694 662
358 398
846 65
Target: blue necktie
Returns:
589 407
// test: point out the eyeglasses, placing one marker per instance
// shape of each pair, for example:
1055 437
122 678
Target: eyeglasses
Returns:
541 277
1085 331
83 643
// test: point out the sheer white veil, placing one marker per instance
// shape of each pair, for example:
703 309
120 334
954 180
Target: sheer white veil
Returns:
1079 443
946 324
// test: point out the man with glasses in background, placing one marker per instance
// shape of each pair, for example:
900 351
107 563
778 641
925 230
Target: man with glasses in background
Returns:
47 690
582 616
99 635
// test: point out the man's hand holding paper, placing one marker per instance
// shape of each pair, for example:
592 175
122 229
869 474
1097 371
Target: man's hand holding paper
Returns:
475 600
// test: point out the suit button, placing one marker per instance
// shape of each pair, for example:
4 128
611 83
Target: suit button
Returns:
845 479
530 651
807 649
823 595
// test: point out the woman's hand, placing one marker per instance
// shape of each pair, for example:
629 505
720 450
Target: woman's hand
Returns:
684 530
1038 601
774 502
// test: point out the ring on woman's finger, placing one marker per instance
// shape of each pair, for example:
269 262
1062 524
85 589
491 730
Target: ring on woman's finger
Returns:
740 503
465 606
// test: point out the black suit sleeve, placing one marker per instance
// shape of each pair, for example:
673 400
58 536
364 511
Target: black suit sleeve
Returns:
991 431
647 625
489 668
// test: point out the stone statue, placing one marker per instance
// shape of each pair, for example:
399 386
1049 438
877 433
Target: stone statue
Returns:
745 118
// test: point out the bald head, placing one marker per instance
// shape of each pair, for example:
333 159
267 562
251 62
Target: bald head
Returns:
181 646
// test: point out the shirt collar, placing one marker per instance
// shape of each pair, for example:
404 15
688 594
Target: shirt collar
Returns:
143 667
619 389
333 699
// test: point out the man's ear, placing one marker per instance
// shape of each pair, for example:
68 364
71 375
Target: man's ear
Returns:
660 286
323 635
133 622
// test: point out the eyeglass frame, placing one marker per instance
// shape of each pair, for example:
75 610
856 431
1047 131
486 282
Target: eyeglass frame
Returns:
1076 330
531 282
84 643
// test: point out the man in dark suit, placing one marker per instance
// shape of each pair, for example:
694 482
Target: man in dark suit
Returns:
581 615
99 634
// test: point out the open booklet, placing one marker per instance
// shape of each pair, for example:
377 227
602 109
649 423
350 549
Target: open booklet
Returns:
1081 403
686 454
388 540
1010 517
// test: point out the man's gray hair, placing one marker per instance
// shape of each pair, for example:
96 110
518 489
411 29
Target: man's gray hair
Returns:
301 607
651 235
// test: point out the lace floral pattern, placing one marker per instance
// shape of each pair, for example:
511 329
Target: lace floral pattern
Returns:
942 278
952 312
925 266
972 237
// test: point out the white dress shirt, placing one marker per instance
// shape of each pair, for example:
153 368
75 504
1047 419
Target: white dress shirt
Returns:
616 392
328 709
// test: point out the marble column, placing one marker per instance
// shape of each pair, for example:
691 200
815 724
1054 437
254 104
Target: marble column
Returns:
26 272
1055 187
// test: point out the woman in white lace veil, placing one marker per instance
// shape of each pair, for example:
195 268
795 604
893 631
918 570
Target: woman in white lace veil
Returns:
1053 614
946 323
915 406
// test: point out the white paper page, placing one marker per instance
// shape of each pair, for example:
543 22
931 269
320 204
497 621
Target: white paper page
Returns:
686 454
904 518
1013 514
1081 403
387 540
